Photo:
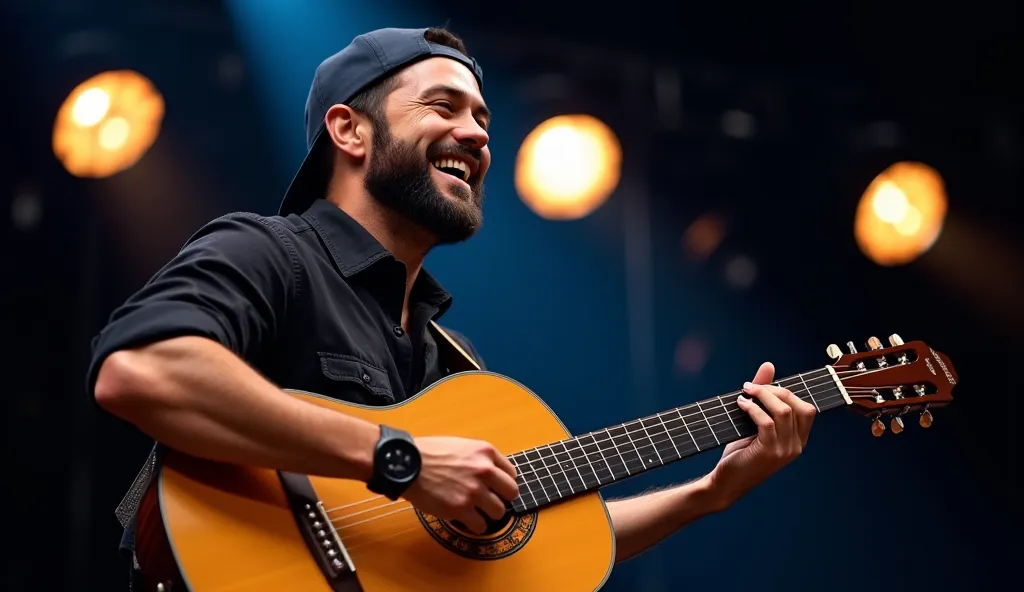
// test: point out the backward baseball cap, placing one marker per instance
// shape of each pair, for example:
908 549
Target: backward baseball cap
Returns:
369 58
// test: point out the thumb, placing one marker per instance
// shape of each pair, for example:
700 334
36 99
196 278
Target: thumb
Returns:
765 374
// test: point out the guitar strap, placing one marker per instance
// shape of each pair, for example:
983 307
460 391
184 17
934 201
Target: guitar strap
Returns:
452 358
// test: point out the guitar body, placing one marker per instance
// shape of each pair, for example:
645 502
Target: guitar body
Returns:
207 526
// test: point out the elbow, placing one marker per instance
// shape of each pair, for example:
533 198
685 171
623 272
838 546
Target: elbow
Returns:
120 383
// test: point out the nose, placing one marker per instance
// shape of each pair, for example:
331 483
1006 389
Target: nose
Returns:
471 135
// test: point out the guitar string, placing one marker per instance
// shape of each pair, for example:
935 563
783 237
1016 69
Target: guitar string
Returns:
375 541
809 383
851 391
562 472
627 433
552 474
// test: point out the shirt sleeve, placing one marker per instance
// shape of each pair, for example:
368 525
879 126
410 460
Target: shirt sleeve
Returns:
231 282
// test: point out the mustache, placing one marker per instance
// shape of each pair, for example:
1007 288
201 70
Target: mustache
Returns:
438 149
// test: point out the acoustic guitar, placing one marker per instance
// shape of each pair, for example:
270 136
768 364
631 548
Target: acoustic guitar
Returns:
206 526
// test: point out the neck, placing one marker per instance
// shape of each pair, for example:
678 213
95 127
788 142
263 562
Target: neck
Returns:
406 241
560 470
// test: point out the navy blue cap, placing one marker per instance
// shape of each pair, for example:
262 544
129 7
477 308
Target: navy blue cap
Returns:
369 58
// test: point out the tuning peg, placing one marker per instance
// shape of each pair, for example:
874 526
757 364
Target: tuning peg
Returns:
851 347
833 351
896 425
877 427
895 340
925 421
874 343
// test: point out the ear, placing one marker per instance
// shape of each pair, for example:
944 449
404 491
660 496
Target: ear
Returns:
349 131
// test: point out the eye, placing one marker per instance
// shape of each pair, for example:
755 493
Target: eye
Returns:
445 105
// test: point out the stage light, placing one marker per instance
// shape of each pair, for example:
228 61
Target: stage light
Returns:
568 166
107 123
900 215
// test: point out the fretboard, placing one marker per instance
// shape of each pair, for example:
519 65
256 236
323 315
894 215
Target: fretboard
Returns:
560 470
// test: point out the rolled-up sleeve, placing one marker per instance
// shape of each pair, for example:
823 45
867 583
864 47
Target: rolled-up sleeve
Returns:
232 282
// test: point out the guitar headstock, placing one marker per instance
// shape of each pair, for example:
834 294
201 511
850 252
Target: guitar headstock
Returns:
902 379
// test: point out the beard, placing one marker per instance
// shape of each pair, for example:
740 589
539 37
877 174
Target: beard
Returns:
399 178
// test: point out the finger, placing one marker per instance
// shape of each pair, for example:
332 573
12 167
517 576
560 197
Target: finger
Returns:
805 413
489 504
765 374
504 463
502 484
472 521
778 409
765 424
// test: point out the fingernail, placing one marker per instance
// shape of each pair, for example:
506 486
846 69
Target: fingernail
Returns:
747 386
742 398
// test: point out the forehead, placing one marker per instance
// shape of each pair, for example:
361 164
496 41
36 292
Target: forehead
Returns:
429 73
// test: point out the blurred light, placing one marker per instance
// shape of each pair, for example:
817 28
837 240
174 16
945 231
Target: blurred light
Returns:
568 166
738 124
703 236
691 355
26 209
741 272
900 214
107 124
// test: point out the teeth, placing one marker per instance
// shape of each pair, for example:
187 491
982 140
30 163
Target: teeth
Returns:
451 163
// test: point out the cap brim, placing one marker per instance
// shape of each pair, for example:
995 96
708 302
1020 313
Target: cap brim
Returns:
310 182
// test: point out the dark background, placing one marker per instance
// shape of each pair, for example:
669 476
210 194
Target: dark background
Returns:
836 93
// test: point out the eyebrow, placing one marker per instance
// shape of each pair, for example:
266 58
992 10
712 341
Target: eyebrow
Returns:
447 89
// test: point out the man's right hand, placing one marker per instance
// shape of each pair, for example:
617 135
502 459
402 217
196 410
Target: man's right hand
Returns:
458 477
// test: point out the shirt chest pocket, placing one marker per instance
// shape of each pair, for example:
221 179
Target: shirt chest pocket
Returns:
351 379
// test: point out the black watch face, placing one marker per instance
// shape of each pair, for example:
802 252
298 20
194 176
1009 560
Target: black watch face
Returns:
401 460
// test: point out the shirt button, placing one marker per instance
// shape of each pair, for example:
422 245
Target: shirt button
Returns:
398 331
366 377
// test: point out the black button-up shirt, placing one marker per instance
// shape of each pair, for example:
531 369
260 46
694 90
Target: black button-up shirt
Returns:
313 302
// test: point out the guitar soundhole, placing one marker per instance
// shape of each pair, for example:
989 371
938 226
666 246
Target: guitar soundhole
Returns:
502 538
493 526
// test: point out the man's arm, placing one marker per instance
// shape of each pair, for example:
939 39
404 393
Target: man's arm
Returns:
171 359
783 427
194 395
643 521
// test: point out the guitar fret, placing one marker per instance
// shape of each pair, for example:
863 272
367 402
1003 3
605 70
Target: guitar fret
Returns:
622 442
710 427
576 465
809 393
729 415
679 412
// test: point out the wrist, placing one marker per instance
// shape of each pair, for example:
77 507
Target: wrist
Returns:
396 463
356 452
715 496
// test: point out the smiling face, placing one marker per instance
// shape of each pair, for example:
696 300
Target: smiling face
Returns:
430 156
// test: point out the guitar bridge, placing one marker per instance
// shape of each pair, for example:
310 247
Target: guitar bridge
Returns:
319 533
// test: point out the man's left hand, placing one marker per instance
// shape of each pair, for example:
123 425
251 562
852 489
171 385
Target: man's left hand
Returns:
782 435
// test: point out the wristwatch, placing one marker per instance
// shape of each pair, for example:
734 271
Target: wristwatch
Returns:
396 463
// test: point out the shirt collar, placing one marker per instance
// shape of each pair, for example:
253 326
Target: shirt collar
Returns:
354 249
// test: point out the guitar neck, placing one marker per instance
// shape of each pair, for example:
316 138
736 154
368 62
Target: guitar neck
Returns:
560 470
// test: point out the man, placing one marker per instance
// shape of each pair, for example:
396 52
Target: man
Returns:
330 296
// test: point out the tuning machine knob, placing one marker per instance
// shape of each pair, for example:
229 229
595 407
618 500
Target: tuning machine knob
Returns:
874 343
925 421
895 340
877 427
896 425
833 351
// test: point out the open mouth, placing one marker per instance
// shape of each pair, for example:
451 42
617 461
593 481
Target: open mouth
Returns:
454 167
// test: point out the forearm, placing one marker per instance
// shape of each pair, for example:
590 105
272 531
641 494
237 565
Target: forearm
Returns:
643 521
194 395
